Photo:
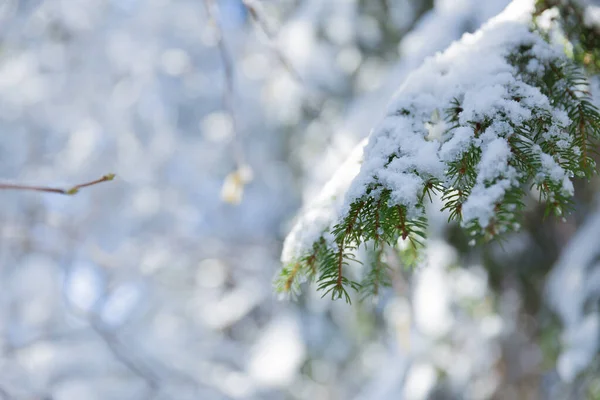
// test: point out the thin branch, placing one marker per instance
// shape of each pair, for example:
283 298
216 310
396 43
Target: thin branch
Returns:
340 265
71 191
228 93
313 91
290 280
256 13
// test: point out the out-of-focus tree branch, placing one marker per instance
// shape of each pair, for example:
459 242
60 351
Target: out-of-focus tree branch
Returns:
256 12
228 72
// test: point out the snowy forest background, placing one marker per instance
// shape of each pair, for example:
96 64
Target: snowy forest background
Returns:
159 285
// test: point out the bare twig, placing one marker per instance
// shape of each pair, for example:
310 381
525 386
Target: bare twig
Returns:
314 92
257 16
71 191
228 93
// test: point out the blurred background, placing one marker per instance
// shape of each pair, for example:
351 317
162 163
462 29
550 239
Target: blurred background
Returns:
221 118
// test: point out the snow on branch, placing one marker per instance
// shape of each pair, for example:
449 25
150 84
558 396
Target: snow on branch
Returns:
498 113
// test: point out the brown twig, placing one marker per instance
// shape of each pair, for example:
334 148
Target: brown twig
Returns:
71 191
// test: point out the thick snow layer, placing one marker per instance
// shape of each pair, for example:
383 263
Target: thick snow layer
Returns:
316 218
476 71
434 32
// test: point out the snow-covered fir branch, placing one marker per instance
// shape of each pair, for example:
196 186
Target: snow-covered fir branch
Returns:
499 115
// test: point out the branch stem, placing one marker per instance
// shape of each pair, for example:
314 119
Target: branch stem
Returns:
69 192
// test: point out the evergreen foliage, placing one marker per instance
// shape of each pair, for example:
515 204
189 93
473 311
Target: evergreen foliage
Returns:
542 136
